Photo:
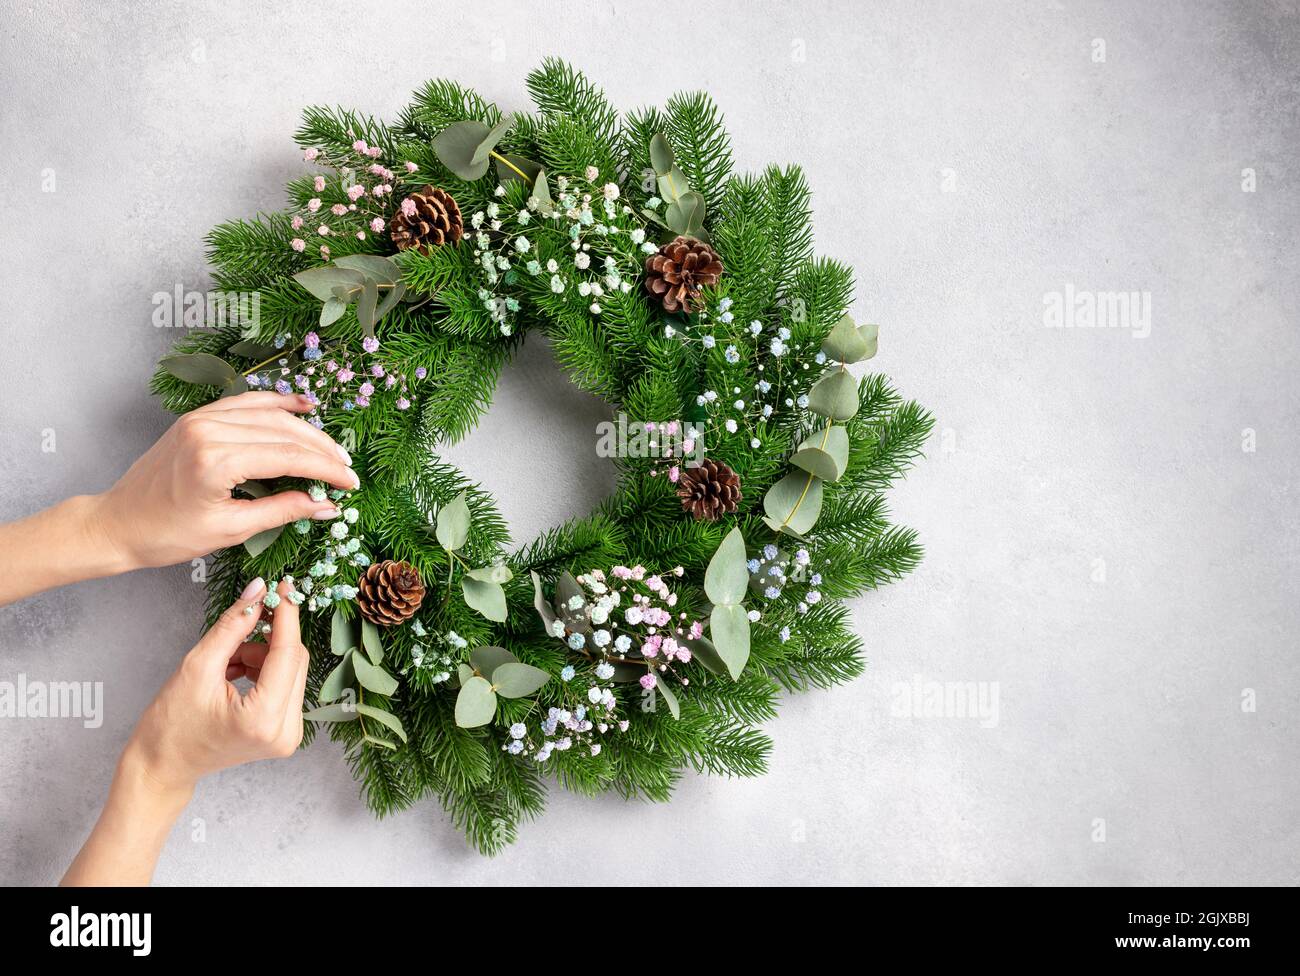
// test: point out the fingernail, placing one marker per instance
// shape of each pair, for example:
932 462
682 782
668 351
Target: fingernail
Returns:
356 480
347 458
253 588
326 513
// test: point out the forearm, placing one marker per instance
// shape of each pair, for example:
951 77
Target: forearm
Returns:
63 544
124 845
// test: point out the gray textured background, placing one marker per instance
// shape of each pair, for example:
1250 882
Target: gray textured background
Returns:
1121 681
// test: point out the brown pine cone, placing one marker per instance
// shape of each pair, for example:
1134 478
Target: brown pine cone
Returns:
389 592
436 220
709 491
676 273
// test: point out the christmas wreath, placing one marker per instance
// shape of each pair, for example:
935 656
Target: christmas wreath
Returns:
648 637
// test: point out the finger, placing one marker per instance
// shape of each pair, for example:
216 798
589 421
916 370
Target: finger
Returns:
285 654
236 671
288 459
215 649
250 654
260 399
293 708
284 507
277 425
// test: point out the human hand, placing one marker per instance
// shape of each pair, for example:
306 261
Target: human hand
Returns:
199 723
174 503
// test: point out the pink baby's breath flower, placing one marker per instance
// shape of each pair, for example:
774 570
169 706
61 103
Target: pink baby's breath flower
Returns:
367 389
298 244
310 154
372 152
323 230
325 251
403 403
296 223
410 166
363 401
591 173
338 210
360 146
674 473
377 224
356 191
319 184
361 235
408 207
647 681
313 204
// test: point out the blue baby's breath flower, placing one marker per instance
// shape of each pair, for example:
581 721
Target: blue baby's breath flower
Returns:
567 672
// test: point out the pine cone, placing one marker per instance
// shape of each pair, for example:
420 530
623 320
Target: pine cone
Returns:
677 272
709 491
389 592
436 220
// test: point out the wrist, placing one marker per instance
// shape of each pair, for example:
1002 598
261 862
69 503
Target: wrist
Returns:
104 537
145 787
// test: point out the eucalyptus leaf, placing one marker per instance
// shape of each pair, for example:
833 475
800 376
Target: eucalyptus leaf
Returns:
342 636
483 151
332 713
794 502
332 311
258 544
376 740
506 174
727 577
366 306
452 527
339 680
456 146
543 605
384 717
517 680
394 295
835 395
843 341
371 642
382 269
476 704
625 673
463 673
238 386
201 367
496 573
488 658
673 185
825 454
871 336
253 488
322 281
661 153
489 599
252 349
703 651
372 678
729 631
662 687
542 194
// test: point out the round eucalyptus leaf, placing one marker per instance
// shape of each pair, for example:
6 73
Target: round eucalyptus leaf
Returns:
456 145
794 502
661 687
515 679
835 395
476 704
322 281
825 454
844 342
342 635
339 681
489 599
483 151
383 270
488 658
332 713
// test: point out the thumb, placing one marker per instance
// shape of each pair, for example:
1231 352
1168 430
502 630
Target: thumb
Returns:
281 509
215 648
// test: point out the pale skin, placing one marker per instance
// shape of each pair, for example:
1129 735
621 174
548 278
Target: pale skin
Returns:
173 505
